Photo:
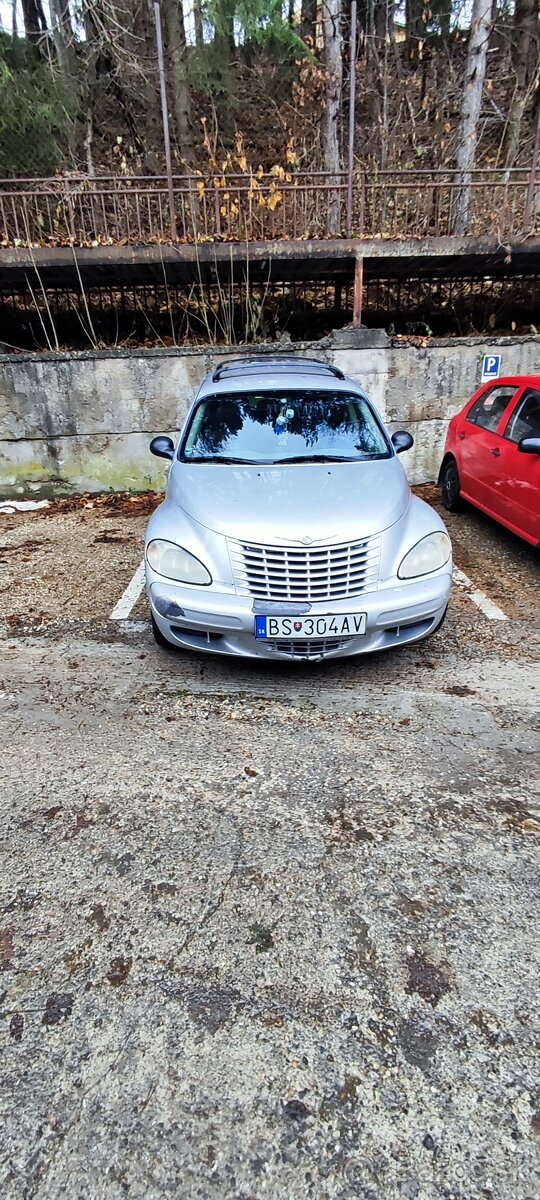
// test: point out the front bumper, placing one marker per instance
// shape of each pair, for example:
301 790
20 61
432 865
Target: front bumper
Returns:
224 623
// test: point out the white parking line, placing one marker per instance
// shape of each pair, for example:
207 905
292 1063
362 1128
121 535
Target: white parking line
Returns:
129 598
483 602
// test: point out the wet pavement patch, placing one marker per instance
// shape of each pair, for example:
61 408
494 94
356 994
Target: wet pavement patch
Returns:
98 917
16 1027
261 937
296 1112
426 979
211 1007
58 1007
418 1043
459 689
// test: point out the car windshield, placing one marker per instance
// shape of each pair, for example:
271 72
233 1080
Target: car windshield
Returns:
284 426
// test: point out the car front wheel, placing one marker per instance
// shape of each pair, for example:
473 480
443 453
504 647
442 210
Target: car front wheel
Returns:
451 486
158 636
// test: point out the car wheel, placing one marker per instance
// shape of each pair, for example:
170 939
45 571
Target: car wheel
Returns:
158 636
441 622
451 487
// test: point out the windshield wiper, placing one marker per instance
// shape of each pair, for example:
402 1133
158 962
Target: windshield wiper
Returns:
311 458
219 458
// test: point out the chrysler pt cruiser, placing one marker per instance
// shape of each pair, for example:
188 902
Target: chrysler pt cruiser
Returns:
289 529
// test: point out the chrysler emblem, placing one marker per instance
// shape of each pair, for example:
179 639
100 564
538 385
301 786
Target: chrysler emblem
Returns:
305 541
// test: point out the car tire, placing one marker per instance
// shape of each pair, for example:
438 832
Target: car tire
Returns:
441 622
451 486
158 636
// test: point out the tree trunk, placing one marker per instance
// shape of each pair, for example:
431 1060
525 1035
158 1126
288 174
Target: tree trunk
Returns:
415 27
224 30
35 24
383 18
308 21
470 109
144 31
62 35
199 28
444 16
524 58
331 130
175 40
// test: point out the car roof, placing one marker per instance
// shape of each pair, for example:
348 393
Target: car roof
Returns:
518 380
270 371
257 364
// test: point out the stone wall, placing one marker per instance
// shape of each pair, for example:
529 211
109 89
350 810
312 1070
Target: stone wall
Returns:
82 422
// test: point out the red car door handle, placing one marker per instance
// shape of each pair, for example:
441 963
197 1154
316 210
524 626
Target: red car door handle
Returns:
496 453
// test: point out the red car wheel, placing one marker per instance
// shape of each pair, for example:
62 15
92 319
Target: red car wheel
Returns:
451 486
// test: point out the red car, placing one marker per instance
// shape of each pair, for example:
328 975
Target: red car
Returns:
492 455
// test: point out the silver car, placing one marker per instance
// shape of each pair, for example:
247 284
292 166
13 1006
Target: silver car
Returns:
288 529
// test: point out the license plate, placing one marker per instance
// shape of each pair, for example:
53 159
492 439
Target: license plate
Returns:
346 625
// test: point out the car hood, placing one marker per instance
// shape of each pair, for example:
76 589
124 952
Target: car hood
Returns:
323 501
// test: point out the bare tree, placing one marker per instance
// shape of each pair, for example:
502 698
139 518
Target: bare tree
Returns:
199 24
414 23
175 39
308 21
475 71
62 35
524 60
331 125
35 24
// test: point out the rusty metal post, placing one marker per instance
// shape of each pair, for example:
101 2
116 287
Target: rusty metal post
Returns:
358 292
165 118
352 120
532 179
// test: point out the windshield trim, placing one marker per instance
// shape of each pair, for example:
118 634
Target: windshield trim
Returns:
305 393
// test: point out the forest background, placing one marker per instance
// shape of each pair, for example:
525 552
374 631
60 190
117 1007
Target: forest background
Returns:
265 84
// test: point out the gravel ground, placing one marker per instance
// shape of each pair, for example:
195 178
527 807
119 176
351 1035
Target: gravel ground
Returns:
266 930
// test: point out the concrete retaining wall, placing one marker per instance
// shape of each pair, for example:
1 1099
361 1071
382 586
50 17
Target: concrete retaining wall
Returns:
82 422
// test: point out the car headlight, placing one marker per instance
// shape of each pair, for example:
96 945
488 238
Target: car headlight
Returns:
431 553
176 563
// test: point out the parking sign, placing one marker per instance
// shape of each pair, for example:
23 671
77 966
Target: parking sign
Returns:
491 367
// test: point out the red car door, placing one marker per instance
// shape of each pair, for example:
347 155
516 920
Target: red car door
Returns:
478 445
519 474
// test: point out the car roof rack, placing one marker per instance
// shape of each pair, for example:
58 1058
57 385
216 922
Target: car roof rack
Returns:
293 363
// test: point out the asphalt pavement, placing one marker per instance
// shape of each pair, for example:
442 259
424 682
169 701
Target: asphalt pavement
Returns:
267 930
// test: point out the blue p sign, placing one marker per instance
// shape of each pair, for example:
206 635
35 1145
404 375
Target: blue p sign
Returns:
491 367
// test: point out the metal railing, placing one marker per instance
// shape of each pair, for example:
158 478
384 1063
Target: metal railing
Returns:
122 210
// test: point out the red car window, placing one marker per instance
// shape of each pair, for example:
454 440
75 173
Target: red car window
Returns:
525 420
488 410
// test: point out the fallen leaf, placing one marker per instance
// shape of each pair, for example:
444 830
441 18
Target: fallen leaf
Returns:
82 822
57 1008
6 948
119 970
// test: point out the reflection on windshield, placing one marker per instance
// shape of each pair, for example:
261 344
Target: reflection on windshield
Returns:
274 427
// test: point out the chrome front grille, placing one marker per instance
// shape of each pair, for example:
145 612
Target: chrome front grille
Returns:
307 649
315 574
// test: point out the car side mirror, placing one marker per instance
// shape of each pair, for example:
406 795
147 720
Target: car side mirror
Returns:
162 447
529 445
401 440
